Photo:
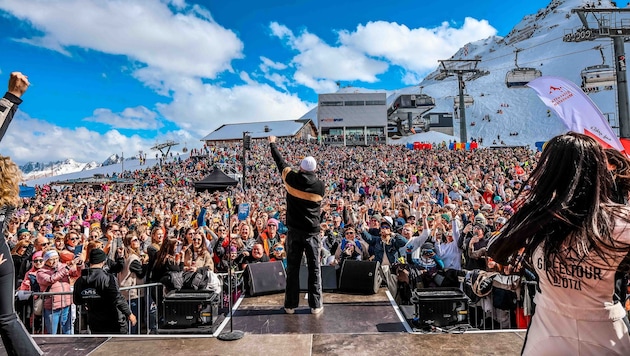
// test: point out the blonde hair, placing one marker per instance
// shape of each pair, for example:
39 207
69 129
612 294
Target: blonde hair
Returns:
18 245
10 177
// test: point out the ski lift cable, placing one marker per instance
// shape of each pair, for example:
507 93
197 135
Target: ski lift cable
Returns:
537 45
537 60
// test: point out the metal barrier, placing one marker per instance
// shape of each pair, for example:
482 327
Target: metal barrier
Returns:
146 306
482 314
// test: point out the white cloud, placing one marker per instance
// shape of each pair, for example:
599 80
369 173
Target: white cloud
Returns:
318 65
267 66
206 106
278 80
281 31
368 51
49 142
268 63
416 50
185 42
138 118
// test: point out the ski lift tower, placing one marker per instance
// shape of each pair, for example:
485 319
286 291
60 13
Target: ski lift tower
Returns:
459 67
613 23
168 144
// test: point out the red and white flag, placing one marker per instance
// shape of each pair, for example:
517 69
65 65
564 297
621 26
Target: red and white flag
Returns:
576 109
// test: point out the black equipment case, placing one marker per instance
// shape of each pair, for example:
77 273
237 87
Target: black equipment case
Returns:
187 309
439 307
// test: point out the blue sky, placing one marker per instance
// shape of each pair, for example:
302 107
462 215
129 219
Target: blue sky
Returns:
118 76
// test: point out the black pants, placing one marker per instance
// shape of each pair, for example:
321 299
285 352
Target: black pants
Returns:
17 341
298 243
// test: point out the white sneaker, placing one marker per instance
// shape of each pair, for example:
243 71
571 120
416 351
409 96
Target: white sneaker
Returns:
289 310
317 310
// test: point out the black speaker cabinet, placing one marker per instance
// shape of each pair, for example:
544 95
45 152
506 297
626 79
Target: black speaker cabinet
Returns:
329 278
265 278
361 277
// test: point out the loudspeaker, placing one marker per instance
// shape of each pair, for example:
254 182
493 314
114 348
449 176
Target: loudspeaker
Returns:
329 278
360 277
265 278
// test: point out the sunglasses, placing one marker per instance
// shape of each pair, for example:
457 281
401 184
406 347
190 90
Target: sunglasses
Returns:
74 238
271 225
279 249
350 233
386 227
39 260
45 244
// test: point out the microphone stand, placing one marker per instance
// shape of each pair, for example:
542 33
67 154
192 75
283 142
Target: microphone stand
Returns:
231 335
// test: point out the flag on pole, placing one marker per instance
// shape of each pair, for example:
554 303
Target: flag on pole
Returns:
576 109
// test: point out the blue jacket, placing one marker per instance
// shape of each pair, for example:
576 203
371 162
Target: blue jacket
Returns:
379 247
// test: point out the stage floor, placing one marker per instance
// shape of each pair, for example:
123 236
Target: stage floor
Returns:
349 324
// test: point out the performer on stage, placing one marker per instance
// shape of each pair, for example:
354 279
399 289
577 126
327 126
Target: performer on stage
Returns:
304 195
15 338
575 238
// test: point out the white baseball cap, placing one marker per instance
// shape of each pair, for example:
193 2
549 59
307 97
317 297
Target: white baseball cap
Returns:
308 164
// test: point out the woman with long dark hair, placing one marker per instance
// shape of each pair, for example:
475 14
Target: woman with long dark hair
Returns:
575 237
168 260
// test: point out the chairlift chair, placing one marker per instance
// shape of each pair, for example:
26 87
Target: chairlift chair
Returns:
423 100
598 76
468 100
520 76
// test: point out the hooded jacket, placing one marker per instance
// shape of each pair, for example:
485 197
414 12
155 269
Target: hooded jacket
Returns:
56 278
305 193
108 310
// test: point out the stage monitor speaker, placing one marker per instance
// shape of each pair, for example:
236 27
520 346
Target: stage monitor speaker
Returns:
360 277
265 278
329 278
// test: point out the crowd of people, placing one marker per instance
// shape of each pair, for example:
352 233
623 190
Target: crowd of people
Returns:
376 200
434 210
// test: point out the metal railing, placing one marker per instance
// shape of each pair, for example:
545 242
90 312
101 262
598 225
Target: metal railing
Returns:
147 306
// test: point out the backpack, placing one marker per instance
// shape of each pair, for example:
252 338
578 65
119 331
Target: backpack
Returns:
34 285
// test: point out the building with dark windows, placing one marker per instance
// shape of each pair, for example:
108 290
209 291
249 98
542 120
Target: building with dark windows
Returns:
352 119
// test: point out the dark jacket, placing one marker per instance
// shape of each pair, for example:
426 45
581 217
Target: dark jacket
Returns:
108 311
378 246
304 195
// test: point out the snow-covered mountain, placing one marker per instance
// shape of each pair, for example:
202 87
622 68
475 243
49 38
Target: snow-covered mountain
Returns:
35 170
113 159
497 110
539 39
